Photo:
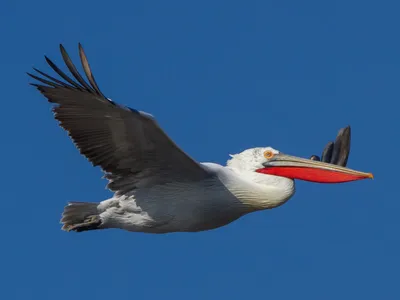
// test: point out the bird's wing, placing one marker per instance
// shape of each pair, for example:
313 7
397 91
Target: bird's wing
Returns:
337 152
127 144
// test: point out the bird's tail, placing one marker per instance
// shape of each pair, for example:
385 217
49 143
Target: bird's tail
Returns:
81 216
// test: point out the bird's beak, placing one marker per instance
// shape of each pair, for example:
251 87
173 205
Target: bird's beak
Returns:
310 170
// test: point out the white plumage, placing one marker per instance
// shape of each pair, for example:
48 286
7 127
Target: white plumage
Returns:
193 206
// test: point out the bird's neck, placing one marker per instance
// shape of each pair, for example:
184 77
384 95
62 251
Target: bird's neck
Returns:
261 191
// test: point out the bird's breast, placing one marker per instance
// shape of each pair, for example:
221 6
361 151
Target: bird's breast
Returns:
187 206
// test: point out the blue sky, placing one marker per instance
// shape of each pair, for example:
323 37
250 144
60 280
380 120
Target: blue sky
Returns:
220 77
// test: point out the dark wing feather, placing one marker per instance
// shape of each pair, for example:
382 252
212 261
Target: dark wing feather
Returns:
127 144
327 153
341 149
337 152
88 71
71 67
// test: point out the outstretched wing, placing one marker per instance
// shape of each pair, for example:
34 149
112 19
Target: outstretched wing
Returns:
337 152
127 144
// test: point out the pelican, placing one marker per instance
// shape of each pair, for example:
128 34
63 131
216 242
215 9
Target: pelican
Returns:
157 187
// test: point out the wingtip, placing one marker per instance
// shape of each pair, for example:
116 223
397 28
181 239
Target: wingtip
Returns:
31 76
62 49
344 131
36 86
48 60
81 51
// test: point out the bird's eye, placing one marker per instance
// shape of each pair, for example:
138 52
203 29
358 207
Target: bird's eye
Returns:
268 154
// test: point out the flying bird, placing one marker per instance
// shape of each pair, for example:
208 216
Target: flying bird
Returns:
158 188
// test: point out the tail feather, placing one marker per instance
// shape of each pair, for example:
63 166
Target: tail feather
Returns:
80 216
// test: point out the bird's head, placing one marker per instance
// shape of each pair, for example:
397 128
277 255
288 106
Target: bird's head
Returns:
266 160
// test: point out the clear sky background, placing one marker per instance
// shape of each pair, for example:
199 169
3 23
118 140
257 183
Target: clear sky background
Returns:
220 77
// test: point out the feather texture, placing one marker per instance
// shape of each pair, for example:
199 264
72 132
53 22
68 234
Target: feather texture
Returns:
127 144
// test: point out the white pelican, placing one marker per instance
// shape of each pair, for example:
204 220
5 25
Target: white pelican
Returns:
157 187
